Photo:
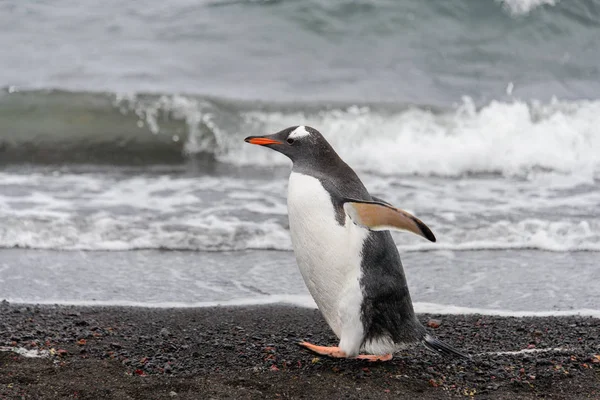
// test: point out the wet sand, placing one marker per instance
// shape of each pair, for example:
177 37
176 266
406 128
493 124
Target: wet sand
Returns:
250 352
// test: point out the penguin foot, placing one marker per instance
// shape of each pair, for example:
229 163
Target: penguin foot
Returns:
374 358
335 352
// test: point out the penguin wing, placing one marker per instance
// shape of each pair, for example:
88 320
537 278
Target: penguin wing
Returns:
380 216
380 200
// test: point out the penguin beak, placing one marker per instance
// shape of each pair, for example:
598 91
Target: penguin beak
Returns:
261 140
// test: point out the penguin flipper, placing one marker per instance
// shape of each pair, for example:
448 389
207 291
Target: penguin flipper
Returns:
379 216
380 200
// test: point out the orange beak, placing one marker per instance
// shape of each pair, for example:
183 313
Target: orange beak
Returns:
261 140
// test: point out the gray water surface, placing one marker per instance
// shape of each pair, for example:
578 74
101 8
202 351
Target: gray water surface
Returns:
493 280
384 50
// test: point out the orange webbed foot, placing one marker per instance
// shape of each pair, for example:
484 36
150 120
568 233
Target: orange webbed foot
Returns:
374 358
335 352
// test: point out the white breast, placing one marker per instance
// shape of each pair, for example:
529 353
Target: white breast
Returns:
327 253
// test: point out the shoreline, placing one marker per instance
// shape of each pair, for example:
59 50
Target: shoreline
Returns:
250 352
305 302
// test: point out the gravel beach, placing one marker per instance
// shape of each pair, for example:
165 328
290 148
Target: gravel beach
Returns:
250 352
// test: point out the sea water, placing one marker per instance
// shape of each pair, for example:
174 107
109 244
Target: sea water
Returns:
124 178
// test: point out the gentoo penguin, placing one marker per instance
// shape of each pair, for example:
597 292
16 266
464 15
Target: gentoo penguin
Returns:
345 252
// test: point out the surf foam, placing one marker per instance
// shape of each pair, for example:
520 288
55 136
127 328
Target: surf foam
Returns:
94 211
523 7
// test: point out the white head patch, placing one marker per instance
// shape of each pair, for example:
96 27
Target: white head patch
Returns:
299 132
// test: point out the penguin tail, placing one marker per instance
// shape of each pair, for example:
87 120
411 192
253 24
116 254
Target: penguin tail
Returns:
442 348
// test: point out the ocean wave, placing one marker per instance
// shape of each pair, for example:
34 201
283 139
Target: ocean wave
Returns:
510 138
513 138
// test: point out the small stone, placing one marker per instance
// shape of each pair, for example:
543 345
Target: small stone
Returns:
165 332
434 323
173 393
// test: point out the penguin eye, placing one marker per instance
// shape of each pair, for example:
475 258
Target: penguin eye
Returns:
290 140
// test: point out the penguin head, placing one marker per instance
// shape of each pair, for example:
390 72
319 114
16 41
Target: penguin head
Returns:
302 144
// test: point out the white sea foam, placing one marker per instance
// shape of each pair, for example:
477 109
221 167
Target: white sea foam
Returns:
113 212
556 236
521 7
211 233
433 308
296 300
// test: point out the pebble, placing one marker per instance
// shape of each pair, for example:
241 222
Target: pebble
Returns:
165 332
192 353
434 323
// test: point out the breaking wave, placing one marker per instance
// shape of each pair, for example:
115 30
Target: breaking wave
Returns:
509 138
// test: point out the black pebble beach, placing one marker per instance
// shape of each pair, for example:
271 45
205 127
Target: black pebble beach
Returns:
250 353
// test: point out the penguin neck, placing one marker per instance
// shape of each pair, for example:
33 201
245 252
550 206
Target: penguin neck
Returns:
325 163
335 175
